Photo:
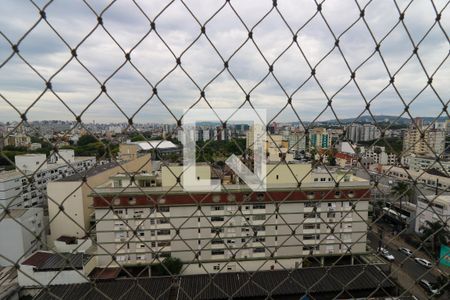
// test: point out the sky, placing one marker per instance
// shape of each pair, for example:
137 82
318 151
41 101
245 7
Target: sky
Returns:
76 82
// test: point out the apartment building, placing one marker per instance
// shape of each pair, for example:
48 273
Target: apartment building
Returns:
359 132
423 140
16 190
319 138
428 179
417 163
18 231
378 155
72 194
236 229
432 208
296 141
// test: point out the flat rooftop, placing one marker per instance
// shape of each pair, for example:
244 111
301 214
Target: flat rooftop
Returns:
90 172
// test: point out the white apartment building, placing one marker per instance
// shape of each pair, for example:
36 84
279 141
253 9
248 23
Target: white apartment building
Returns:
432 208
296 141
72 193
235 230
17 191
430 180
18 231
423 163
382 158
427 142
366 132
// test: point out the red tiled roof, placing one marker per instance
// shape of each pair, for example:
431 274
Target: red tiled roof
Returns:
104 273
38 259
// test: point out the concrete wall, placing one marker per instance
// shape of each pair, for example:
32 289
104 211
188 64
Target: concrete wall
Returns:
16 240
169 177
78 203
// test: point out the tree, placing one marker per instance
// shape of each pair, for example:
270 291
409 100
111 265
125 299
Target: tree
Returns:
169 266
86 139
438 232
400 191
377 150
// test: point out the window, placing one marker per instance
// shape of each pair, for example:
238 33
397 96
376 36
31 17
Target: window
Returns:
216 268
258 250
216 230
311 237
163 221
217 252
163 209
311 204
163 232
310 248
217 219
259 217
311 215
259 206
311 226
260 239
217 207
164 244
216 241
259 228
331 215
131 200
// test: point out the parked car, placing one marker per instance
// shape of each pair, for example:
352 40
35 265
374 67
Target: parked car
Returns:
385 253
429 287
406 251
423 262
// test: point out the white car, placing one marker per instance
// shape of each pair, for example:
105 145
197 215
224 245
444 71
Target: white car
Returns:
423 262
406 251
429 287
385 253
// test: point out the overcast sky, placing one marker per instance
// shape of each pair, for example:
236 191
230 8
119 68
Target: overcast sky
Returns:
74 20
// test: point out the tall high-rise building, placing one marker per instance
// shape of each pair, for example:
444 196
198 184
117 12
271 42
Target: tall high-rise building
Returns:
423 140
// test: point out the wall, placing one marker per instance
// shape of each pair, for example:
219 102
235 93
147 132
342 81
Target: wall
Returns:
78 204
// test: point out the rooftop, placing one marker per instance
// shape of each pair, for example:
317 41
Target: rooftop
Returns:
156 144
90 172
8 281
322 283
48 261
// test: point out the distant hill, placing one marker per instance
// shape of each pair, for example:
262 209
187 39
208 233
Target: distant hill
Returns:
383 119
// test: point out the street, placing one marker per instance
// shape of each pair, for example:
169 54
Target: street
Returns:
412 269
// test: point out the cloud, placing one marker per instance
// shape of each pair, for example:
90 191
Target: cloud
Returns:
101 57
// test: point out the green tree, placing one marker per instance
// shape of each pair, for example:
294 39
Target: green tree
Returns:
377 150
86 139
400 191
438 232
169 266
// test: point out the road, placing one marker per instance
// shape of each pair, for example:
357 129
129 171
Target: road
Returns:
407 265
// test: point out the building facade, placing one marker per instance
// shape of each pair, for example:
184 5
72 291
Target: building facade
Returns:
18 231
235 230
17 191
423 140
432 208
